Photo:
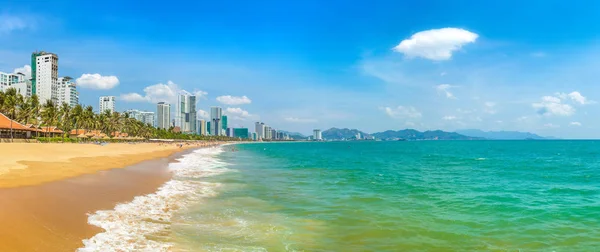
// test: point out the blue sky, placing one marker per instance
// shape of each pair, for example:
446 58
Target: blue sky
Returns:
372 65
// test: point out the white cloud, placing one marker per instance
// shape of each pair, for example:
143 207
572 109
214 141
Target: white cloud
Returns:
551 105
575 124
299 120
97 81
465 111
449 118
576 97
233 100
444 89
26 70
489 108
550 125
402 112
12 23
239 114
160 93
435 44
201 114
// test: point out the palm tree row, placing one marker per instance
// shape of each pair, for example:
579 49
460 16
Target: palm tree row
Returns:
27 110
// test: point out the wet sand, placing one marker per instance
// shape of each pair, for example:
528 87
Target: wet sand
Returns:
53 216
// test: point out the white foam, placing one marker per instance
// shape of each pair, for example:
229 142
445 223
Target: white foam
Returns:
129 226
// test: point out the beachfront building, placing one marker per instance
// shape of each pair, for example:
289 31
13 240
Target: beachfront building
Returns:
254 137
229 132
274 134
358 136
241 133
8 80
8 127
201 127
185 113
208 132
163 115
224 122
107 103
44 76
317 135
148 117
23 88
216 114
67 91
259 129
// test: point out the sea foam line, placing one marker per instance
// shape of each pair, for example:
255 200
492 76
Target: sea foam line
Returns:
128 226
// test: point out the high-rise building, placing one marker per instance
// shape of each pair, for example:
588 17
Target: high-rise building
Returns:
148 118
241 133
317 135
254 137
259 129
185 114
208 128
229 132
44 76
224 121
23 88
274 134
67 91
216 114
106 103
163 115
10 79
201 127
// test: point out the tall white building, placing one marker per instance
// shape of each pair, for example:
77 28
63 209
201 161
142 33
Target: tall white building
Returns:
215 121
147 117
163 114
201 125
259 129
10 79
107 103
317 135
185 114
44 76
67 91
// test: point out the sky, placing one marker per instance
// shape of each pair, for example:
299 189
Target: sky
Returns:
302 65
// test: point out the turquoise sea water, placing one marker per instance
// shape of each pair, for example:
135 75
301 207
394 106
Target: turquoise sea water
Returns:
399 196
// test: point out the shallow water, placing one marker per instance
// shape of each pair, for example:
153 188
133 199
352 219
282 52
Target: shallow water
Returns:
389 196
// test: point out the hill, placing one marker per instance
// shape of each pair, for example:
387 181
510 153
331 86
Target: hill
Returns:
411 134
500 135
339 134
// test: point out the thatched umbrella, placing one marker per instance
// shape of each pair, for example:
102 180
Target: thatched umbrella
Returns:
96 137
82 136
106 137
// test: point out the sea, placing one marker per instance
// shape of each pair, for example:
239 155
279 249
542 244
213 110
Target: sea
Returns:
368 196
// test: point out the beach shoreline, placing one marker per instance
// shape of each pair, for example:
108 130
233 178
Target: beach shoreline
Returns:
52 214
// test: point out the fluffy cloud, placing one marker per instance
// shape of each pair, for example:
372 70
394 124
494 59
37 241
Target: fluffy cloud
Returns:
444 89
239 114
449 118
299 120
201 114
550 125
489 108
435 44
26 70
12 23
551 105
575 124
233 100
402 112
160 93
575 97
97 81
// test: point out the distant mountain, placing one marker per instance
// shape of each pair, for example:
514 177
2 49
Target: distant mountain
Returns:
339 134
501 135
294 135
411 134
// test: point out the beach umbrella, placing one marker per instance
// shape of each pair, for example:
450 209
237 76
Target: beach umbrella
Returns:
106 137
81 136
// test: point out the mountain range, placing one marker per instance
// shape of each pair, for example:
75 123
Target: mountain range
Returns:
501 135
339 134
411 134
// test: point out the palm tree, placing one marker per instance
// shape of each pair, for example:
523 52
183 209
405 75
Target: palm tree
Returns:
64 113
49 113
76 117
12 101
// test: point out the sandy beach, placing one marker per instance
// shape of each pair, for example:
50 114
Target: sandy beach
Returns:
24 164
48 190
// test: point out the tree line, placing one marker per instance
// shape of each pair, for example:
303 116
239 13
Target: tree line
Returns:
28 110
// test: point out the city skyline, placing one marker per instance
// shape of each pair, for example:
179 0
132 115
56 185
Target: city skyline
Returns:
489 72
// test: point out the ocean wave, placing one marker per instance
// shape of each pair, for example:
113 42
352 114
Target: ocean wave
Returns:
144 223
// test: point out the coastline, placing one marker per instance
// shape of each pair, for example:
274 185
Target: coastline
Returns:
52 214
